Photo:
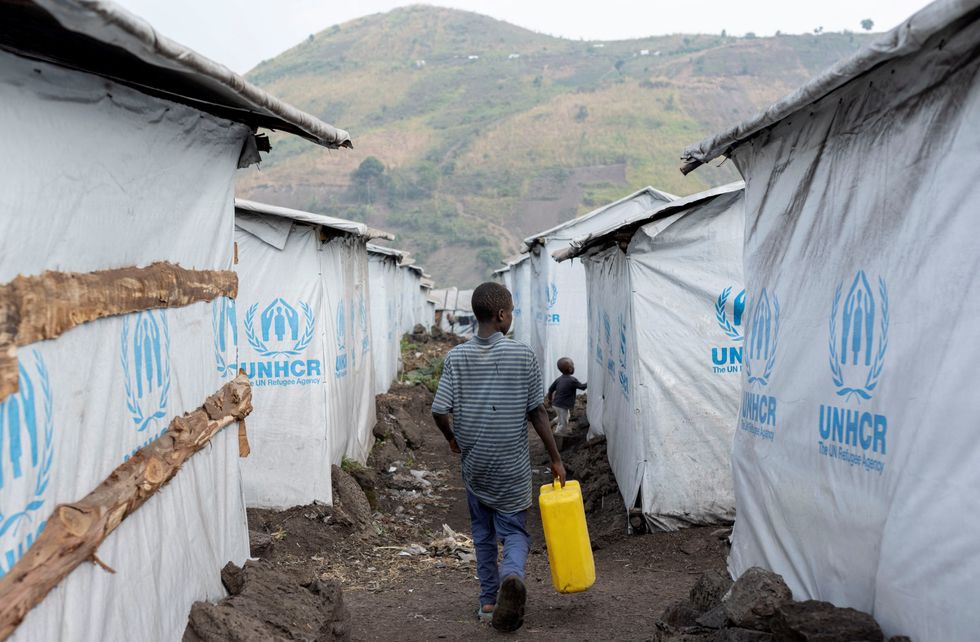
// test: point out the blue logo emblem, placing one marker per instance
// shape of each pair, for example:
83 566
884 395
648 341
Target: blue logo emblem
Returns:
857 354
624 382
391 319
731 328
145 357
26 455
550 295
340 332
763 339
224 328
366 339
516 296
279 328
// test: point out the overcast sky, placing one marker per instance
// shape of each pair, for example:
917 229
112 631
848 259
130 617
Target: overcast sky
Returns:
241 33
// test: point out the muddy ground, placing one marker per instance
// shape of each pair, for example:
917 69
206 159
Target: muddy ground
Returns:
401 553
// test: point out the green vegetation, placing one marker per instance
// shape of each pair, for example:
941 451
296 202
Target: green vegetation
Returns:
462 158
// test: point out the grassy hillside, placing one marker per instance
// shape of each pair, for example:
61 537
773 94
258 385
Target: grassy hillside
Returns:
471 133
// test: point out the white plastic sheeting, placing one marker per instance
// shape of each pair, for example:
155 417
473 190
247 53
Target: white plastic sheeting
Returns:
665 341
557 302
521 291
304 339
92 182
382 272
856 456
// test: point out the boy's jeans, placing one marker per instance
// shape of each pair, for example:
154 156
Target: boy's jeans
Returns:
561 418
488 527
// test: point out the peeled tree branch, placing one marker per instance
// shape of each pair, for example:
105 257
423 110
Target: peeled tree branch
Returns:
75 531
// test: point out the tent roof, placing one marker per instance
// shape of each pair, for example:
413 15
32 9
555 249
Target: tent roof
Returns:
564 230
352 228
907 38
102 38
629 225
386 251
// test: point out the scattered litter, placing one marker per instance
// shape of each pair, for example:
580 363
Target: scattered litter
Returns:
412 550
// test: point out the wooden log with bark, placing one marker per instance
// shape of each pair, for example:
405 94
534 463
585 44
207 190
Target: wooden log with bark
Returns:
75 531
34 308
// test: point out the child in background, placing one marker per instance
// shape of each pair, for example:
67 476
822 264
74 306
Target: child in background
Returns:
561 394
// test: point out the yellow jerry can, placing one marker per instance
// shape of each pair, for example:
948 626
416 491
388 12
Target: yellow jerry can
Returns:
567 536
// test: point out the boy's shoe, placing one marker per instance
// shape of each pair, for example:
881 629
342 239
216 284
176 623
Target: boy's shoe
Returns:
509 614
484 616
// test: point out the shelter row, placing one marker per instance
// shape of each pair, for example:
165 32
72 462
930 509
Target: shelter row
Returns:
118 317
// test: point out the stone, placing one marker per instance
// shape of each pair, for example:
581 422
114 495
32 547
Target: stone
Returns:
351 499
367 479
899 638
680 614
736 634
816 621
259 543
233 578
755 597
707 592
714 619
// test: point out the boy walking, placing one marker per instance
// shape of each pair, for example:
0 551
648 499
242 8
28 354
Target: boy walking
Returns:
492 387
561 394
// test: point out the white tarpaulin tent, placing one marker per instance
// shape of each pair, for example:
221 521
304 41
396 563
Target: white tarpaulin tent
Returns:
557 302
665 344
98 175
305 342
383 273
516 277
855 458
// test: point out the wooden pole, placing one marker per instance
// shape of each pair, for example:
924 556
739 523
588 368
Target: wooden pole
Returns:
44 306
75 531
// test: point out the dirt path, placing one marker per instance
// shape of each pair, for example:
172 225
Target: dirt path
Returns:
637 577
383 542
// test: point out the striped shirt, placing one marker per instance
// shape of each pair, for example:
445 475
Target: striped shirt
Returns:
489 385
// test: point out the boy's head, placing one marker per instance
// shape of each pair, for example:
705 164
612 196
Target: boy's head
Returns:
566 366
493 306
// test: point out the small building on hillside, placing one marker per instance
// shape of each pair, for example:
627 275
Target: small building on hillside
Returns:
665 314
855 457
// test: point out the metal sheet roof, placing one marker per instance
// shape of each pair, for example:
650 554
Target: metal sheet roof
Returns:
344 226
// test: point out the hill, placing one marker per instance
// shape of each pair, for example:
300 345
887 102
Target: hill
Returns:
471 133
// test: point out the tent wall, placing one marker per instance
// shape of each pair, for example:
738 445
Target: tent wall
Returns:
89 183
385 339
280 317
349 358
685 273
665 349
521 291
859 483
558 313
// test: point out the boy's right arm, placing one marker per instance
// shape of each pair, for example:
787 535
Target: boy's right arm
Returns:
442 405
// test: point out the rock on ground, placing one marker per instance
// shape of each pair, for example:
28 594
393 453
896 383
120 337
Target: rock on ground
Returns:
266 605
349 498
815 621
709 589
755 597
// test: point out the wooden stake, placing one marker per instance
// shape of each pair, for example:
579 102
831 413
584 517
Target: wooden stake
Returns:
34 308
75 531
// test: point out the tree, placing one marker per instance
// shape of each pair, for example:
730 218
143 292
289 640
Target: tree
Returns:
724 34
867 24
367 179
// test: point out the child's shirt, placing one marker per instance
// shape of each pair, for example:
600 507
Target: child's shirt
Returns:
563 388
489 385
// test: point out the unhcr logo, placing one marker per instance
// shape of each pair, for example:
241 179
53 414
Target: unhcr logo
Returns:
281 333
550 292
758 413
858 341
763 339
624 381
26 458
225 335
279 328
728 358
366 336
340 335
145 358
